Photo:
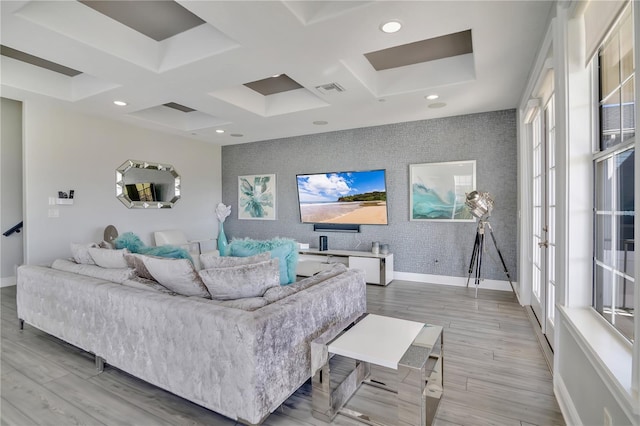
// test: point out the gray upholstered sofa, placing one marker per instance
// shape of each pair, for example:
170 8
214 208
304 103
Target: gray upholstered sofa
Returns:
241 363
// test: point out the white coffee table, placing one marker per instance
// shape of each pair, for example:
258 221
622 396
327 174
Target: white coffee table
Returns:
411 348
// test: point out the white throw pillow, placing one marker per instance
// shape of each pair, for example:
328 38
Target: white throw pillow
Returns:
213 260
80 253
177 275
136 262
238 282
107 258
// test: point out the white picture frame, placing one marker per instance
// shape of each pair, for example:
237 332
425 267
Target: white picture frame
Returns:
257 197
437 191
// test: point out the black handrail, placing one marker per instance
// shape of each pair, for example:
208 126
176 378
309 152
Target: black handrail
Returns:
15 229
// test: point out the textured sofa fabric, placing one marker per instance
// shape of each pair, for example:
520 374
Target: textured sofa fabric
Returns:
241 281
240 363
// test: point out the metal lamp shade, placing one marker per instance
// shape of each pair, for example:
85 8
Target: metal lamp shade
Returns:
480 203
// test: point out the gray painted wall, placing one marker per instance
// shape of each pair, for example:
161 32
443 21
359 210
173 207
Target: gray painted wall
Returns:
11 248
418 247
60 146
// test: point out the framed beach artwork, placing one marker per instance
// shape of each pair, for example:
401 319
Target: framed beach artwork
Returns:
257 197
438 191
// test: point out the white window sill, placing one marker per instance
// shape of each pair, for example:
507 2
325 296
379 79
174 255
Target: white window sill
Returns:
610 354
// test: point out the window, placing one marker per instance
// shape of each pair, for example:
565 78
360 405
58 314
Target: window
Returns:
614 172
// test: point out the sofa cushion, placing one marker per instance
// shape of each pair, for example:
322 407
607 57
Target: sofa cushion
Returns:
108 258
284 249
246 304
80 253
237 282
178 275
213 260
117 275
146 284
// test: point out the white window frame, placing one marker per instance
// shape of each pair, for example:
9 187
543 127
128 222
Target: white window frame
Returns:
603 155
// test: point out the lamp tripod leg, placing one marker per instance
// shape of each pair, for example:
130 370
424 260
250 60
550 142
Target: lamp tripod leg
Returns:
479 264
504 265
474 255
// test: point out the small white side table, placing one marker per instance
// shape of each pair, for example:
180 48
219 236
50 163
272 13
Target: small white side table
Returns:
411 348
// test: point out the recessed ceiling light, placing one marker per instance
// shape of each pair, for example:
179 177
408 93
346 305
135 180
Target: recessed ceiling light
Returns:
320 122
391 27
437 105
219 131
237 135
432 97
120 103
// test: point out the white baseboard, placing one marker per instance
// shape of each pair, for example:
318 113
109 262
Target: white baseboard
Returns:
7 282
455 281
568 409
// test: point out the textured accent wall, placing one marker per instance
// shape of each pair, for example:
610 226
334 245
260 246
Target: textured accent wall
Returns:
419 247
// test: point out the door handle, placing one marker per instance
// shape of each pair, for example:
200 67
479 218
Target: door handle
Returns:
543 244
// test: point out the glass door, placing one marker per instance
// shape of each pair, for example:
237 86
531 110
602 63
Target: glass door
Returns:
544 218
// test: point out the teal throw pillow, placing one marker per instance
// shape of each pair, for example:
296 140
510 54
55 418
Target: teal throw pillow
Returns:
285 250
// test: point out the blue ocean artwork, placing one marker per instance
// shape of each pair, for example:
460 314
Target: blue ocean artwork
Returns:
428 204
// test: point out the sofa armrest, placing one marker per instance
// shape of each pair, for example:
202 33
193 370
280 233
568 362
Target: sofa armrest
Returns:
285 329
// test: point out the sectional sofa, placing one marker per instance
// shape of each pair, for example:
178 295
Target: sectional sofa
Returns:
241 358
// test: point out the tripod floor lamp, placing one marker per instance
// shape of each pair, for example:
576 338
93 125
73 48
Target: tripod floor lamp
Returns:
481 205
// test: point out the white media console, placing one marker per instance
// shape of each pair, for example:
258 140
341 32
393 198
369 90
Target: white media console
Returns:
378 268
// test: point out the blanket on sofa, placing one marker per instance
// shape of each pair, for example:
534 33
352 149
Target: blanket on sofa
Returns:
131 241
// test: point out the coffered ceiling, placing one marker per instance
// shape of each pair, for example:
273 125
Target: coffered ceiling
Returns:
241 71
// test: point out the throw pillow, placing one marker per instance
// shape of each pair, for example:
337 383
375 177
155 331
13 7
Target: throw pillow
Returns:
177 275
212 260
107 258
106 245
285 249
237 282
282 253
80 253
136 262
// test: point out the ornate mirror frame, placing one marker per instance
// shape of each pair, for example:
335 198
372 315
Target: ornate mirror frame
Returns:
132 166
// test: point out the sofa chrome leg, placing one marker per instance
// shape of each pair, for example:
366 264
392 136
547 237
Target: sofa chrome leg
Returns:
21 323
100 363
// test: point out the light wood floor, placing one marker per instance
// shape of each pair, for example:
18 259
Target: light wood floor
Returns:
494 373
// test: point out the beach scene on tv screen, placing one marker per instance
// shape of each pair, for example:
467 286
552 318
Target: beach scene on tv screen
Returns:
343 197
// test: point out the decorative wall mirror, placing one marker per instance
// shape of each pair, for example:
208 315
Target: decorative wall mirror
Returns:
143 185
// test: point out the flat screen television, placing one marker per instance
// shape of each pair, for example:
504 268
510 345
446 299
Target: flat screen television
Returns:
354 198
